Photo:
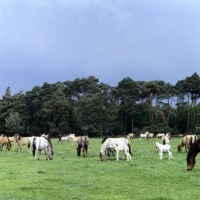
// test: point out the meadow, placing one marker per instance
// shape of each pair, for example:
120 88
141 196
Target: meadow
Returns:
68 176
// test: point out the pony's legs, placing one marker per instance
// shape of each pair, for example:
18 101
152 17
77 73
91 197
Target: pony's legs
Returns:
86 152
160 153
170 155
45 152
117 155
36 154
39 155
128 156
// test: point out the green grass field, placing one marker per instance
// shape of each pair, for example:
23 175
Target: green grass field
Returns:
68 176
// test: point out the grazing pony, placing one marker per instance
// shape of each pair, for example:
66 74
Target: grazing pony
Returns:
110 151
39 144
110 144
164 148
187 141
4 140
83 143
193 151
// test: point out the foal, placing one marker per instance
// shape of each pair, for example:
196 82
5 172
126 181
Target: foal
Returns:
162 148
124 148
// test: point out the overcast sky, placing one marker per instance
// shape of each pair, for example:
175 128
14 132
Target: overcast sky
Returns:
50 41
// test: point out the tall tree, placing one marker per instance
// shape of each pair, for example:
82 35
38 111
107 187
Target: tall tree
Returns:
127 94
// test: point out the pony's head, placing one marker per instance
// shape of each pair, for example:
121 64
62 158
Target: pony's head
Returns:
190 162
50 151
102 156
157 144
193 151
168 135
179 147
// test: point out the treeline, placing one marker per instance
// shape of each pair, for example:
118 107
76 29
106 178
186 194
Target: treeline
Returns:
88 106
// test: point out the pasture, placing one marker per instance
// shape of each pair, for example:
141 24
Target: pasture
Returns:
68 176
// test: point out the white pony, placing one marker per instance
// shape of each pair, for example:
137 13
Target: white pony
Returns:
115 144
124 148
162 148
144 135
166 138
39 144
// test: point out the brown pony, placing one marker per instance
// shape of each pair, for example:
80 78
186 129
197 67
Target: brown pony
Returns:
4 140
186 141
83 143
194 150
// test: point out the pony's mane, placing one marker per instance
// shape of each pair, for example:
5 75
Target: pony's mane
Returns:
48 140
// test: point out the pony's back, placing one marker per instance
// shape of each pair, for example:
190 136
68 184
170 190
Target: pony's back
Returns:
83 140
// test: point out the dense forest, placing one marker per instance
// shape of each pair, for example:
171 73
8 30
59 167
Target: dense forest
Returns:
86 106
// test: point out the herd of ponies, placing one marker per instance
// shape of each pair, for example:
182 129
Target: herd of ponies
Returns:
111 146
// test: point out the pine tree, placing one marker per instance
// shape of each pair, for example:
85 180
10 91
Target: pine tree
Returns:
14 123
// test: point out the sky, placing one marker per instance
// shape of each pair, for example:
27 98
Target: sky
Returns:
55 41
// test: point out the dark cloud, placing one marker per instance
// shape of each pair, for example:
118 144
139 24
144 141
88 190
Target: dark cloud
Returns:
50 41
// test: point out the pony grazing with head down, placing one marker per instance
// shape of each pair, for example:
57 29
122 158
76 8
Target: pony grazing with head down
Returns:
39 144
83 143
193 151
117 144
163 148
4 140
187 141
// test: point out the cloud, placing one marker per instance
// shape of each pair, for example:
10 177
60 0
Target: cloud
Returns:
110 39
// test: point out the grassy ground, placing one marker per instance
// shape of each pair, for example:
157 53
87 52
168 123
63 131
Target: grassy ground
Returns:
68 176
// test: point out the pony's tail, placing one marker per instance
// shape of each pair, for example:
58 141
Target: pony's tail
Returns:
129 147
34 147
